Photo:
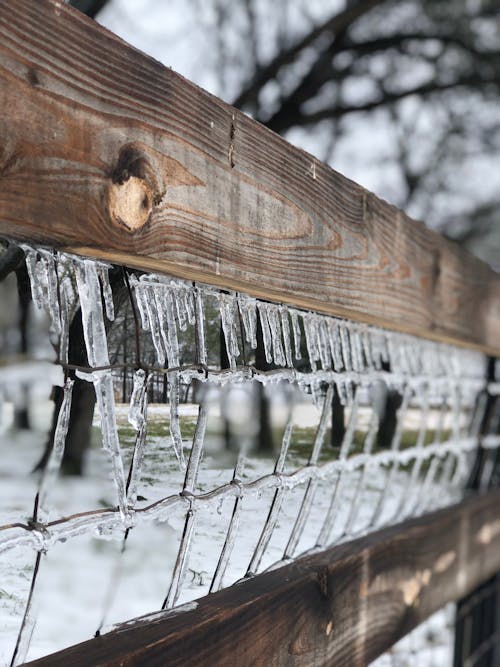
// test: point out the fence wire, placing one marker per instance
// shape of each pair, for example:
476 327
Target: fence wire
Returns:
367 426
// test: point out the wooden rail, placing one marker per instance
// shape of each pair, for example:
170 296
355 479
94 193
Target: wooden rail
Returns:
105 152
344 606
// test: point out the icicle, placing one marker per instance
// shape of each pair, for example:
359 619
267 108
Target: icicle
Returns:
103 272
175 429
178 296
104 390
323 344
228 314
357 349
353 351
171 330
201 346
50 278
366 343
94 330
36 285
155 308
137 417
335 345
140 291
274 319
266 332
393 353
66 310
311 333
248 311
285 327
189 305
56 453
376 346
136 414
296 333
97 352
346 346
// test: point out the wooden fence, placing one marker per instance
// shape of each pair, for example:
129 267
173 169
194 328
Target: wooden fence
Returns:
106 153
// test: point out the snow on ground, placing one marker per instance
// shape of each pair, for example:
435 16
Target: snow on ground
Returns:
429 645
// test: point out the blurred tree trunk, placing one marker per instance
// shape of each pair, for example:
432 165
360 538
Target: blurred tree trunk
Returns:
264 434
21 409
388 419
338 420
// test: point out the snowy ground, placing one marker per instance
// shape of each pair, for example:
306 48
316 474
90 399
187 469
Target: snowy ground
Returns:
86 577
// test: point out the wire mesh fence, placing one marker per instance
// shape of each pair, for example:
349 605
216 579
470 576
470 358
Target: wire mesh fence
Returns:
254 432
477 637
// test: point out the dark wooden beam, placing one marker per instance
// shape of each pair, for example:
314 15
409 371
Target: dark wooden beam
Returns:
342 607
105 152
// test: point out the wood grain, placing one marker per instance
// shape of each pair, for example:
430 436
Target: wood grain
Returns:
207 193
342 607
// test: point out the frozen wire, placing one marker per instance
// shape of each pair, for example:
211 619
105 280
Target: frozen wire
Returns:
308 350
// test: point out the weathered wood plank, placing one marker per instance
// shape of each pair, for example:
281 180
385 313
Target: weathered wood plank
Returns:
341 607
104 151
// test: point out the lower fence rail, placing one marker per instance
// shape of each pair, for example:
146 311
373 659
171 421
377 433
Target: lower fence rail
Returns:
344 606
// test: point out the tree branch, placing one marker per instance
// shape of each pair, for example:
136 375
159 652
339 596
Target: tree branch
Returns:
388 98
10 260
89 7
334 24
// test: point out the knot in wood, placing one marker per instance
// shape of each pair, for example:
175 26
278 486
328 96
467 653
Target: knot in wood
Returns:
130 203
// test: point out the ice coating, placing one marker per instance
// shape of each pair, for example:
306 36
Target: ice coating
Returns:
248 312
103 273
94 330
137 408
317 493
137 418
228 314
175 429
56 454
266 331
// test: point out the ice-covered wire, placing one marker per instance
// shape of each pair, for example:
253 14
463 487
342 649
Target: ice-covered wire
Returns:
329 358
